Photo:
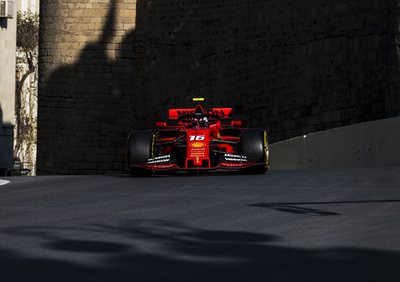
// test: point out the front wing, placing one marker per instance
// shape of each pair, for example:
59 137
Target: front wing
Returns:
226 161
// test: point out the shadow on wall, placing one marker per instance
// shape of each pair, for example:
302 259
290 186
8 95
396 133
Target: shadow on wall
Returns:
156 250
85 109
289 67
216 50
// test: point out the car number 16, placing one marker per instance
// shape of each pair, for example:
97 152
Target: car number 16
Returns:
197 137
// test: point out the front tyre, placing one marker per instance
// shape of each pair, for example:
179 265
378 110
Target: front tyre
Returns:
139 149
254 145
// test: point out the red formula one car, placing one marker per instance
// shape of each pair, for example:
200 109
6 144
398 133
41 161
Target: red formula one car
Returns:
197 140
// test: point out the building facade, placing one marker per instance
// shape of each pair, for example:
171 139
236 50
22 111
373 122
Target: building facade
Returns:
8 27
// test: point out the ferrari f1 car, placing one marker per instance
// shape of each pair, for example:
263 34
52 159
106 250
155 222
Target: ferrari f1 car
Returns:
197 140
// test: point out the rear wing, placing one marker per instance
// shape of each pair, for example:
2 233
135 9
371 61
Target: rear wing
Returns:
223 113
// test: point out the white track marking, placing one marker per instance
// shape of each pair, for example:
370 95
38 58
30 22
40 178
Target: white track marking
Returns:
3 182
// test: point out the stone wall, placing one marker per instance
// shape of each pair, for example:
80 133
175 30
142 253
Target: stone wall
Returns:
85 85
291 67
392 97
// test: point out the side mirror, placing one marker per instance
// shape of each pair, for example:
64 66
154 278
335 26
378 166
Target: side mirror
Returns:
161 124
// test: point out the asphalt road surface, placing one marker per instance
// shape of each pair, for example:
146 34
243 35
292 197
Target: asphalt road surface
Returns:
311 225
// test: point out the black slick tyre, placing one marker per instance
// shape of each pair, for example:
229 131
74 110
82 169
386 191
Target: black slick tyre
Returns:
139 149
254 145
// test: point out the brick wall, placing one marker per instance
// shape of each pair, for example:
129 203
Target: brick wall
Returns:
292 67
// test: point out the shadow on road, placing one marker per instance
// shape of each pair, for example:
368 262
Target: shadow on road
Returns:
171 251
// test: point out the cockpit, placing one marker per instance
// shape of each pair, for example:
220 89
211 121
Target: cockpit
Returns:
198 120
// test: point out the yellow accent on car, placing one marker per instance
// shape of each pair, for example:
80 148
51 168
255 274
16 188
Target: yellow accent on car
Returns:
198 99
198 145
152 145
266 150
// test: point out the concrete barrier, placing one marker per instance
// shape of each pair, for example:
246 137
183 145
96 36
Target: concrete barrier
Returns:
370 144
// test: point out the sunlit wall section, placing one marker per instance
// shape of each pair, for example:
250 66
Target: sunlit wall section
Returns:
24 5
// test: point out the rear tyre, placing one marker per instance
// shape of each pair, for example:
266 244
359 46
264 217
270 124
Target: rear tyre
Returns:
139 149
254 145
